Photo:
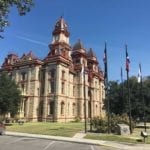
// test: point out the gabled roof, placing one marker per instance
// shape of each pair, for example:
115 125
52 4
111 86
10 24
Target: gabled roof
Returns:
28 56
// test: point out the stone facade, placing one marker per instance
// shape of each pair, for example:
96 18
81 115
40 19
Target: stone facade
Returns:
57 87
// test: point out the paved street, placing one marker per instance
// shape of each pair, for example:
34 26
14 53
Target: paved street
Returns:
25 143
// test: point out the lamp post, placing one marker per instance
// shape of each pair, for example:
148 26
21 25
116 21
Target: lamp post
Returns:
84 91
90 94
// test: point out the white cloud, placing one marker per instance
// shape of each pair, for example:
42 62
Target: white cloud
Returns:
31 40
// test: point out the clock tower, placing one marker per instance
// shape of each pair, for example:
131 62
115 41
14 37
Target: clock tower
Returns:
60 46
60 33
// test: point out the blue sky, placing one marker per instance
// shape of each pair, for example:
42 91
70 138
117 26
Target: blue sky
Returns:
118 22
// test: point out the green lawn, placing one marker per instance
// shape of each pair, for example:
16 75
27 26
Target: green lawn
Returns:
110 137
48 128
70 129
135 137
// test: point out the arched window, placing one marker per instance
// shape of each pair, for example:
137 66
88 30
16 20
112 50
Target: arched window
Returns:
96 110
73 109
62 108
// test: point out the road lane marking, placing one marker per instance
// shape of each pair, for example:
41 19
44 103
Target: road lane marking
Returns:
51 143
19 139
92 147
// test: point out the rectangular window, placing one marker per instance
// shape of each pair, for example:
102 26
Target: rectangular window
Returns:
62 109
22 88
73 90
62 88
96 84
52 74
51 112
23 76
52 86
63 75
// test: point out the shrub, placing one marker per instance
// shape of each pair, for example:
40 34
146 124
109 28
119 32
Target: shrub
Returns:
77 119
101 124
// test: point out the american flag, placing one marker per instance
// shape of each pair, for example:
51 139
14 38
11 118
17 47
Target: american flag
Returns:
105 62
105 55
127 60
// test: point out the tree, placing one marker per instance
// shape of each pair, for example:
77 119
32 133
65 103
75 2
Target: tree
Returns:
23 6
146 96
10 95
119 102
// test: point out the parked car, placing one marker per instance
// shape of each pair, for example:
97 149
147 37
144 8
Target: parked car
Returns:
2 128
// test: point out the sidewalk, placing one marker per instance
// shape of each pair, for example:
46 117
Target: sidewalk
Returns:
78 138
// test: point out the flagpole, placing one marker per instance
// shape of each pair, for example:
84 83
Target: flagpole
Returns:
106 87
122 87
85 116
141 93
129 101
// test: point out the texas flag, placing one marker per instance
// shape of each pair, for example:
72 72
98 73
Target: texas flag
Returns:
139 74
127 61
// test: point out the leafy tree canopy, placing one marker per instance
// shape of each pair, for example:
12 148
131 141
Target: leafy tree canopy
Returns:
10 95
140 99
23 6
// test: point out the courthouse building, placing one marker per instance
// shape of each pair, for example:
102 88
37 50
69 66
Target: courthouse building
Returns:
58 87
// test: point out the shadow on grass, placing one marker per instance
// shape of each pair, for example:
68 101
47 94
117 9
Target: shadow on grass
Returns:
56 129
139 140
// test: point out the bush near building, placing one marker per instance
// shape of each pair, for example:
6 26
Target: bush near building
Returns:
101 124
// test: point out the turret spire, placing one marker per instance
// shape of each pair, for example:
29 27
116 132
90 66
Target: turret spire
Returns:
61 33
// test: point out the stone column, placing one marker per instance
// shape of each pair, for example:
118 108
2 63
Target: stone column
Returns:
57 90
36 98
45 96
28 81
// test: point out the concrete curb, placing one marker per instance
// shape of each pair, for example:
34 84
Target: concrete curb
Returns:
57 138
112 144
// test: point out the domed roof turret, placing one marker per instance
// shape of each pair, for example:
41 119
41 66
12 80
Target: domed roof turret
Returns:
78 45
91 56
90 53
61 26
